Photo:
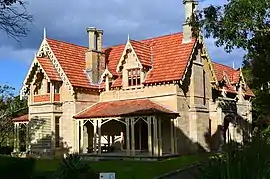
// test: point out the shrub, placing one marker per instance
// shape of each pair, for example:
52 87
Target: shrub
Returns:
74 167
248 162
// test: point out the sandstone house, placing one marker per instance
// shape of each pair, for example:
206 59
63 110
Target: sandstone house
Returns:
156 97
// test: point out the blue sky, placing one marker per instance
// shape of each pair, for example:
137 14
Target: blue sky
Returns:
67 20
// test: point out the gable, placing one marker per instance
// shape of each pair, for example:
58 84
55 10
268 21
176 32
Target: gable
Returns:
166 55
233 77
41 65
72 60
128 58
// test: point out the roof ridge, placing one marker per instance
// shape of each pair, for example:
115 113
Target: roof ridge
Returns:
224 65
162 36
65 42
139 41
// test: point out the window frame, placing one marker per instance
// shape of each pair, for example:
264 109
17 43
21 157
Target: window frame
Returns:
134 77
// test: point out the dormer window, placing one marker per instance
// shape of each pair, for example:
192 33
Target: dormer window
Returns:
134 77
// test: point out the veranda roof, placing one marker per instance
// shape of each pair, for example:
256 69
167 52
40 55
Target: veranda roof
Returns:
23 118
121 108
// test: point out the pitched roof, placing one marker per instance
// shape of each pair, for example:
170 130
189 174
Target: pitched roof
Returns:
134 107
47 65
233 77
23 118
143 52
169 57
72 60
222 70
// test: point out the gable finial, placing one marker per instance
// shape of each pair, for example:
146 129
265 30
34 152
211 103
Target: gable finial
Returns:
233 65
44 33
128 37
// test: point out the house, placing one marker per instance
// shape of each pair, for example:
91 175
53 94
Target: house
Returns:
156 97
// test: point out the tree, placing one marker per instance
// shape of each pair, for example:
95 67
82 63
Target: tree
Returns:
10 107
243 24
14 18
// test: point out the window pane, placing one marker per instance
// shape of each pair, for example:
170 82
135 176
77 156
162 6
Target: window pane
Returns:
129 82
138 81
56 88
48 87
134 81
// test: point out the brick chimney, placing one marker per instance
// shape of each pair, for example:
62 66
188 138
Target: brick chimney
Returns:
190 8
93 59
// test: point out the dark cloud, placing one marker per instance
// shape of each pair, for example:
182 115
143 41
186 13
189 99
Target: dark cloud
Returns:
68 19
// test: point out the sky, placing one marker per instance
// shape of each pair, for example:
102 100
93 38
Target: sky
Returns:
67 20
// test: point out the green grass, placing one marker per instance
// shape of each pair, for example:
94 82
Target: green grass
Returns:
131 169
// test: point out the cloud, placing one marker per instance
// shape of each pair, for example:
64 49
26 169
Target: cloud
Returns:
68 19
25 55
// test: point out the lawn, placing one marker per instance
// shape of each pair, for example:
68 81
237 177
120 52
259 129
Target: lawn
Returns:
131 169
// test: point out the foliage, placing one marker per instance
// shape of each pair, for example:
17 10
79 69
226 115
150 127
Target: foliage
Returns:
16 168
10 107
74 167
14 18
243 24
249 162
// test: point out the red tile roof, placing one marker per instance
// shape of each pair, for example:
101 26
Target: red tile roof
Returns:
143 52
135 107
166 54
47 65
233 76
169 56
72 60
220 71
112 57
23 118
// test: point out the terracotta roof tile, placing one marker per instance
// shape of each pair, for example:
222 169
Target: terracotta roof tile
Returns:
249 92
23 118
72 59
233 76
112 56
133 107
117 82
143 52
170 58
47 65
221 70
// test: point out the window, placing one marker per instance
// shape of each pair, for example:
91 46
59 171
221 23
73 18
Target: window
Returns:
56 88
57 132
204 89
48 87
134 77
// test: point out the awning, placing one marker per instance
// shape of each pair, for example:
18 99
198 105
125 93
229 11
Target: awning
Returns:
23 118
122 108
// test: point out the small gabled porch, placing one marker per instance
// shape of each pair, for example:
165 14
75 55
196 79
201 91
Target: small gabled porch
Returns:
131 128
21 134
